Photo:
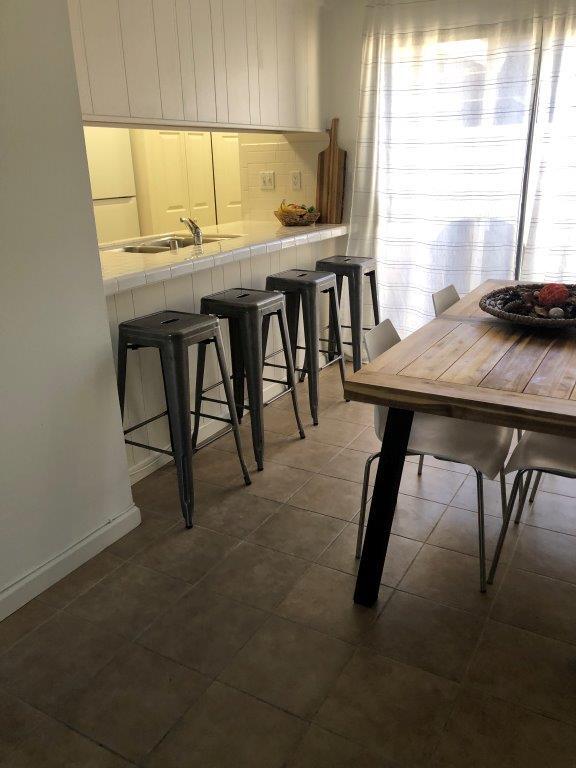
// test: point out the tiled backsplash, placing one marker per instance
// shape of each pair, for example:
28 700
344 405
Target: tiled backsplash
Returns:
282 154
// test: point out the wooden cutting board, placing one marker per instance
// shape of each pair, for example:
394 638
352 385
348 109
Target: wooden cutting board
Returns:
330 180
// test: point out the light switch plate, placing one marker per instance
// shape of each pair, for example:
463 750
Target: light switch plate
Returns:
267 180
296 180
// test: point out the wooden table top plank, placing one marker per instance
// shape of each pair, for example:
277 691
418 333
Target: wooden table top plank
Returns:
477 362
556 374
401 355
515 369
496 373
440 356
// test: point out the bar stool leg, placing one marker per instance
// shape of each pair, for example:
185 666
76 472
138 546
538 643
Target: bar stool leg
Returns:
265 332
291 378
292 319
231 405
312 343
374 291
175 372
355 299
335 315
331 336
237 357
200 366
252 349
121 374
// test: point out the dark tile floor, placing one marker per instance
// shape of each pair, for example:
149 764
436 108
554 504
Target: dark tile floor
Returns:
237 644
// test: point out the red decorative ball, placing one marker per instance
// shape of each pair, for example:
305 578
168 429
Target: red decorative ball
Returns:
553 295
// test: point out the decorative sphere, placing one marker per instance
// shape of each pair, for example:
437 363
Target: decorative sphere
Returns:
553 294
556 312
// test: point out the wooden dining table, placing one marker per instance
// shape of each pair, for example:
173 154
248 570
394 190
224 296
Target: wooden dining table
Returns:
465 364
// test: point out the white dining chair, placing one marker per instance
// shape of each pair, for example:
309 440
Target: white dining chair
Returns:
481 446
444 299
536 452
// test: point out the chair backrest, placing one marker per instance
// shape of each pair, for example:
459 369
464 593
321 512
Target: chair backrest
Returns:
444 299
380 338
377 341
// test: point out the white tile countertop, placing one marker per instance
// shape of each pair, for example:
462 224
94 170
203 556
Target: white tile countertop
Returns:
123 271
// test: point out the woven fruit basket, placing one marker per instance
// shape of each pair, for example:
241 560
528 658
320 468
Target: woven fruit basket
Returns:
296 215
540 305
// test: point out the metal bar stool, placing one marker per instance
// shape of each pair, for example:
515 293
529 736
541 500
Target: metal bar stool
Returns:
306 286
354 268
172 333
248 313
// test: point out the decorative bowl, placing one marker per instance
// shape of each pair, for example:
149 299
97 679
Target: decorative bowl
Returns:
509 304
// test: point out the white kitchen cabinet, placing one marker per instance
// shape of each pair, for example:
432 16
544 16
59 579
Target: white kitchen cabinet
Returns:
141 62
219 55
186 56
105 57
198 62
174 178
227 187
75 13
200 175
253 65
203 60
236 54
288 68
109 162
168 54
267 61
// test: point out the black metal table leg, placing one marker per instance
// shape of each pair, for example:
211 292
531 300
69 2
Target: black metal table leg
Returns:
383 505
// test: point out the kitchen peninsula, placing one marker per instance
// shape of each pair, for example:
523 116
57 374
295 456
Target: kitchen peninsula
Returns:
140 283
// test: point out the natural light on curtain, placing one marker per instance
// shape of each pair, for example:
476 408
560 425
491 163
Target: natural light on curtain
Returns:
549 251
446 99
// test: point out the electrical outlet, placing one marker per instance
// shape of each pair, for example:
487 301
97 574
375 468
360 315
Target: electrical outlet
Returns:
267 180
296 180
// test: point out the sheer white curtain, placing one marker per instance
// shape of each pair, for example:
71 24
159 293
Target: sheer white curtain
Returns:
550 234
446 95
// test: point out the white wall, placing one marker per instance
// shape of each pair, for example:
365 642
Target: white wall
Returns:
64 491
342 23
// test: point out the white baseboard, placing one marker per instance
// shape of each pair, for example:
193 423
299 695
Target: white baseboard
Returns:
27 587
150 464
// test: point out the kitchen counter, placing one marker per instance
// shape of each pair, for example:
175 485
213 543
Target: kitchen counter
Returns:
124 271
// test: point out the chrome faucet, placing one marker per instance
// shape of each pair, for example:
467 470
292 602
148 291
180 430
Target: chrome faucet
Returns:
194 228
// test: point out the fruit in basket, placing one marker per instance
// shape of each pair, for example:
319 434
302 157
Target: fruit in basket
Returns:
295 209
553 295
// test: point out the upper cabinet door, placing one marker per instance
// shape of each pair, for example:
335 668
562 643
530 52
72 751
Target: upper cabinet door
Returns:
104 56
137 18
253 69
166 28
267 61
236 48
219 54
75 14
201 23
289 72
186 56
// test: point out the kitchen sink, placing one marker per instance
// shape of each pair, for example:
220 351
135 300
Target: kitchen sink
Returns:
168 243
145 248
184 241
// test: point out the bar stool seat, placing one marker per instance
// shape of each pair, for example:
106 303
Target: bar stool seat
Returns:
354 268
309 278
248 312
172 333
305 286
